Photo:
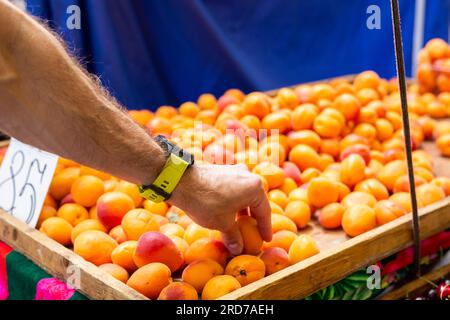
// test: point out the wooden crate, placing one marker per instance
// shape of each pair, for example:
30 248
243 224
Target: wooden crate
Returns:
340 255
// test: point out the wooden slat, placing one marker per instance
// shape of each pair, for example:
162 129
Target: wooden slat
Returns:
332 265
419 284
56 259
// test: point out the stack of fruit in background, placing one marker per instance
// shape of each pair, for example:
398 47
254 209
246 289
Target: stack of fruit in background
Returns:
433 73
326 152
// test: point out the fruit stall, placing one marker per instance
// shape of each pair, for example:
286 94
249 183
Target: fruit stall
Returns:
330 155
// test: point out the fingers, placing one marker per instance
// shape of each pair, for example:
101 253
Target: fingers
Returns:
233 240
262 213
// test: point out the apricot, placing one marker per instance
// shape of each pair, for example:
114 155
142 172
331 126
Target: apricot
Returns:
206 248
138 221
279 121
94 246
58 229
358 219
150 279
374 187
366 79
281 222
299 212
423 173
62 182
219 286
309 174
86 190
322 191
46 212
49 201
250 234
330 146
246 269
275 259
181 244
279 197
271 172
343 190
327 126
391 172
330 216
281 239
116 271
89 224
118 234
73 213
159 208
299 194
189 109
172 229
292 171
199 272
303 116
157 247
112 206
325 161
287 99
304 157
359 197
442 182
429 193
402 183
288 185
302 248
361 149
218 154
178 291
348 105
122 255
256 103
131 190
388 210
110 185
352 170
443 144
307 137
194 232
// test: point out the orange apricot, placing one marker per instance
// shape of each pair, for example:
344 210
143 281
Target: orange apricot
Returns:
150 279
308 174
327 126
358 197
322 191
271 172
304 157
366 79
279 197
137 222
205 248
299 212
402 183
157 247
194 232
89 224
272 152
303 116
443 144
442 182
73 213
199 272
281 239
178 291
116 271
330 216
391 172
58 229
122 255
159 208
302 248
307 137
288 185
358 219
388 210
374 187
94 246
256 103
118 234
131 190
275 259
219 286
172 229
246 269
348 105
287 99
62 182
189 109
430 193
352 170
281 222
112 206
250 234
46 212
86 190
279 121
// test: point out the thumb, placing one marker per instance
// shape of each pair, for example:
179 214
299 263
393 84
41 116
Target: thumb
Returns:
233 239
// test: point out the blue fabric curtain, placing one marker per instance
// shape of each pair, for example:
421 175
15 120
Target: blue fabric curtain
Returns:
153 52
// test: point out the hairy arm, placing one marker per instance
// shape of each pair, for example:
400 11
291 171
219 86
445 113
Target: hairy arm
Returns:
48 101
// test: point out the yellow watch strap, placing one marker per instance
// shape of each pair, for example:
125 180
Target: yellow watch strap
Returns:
168 179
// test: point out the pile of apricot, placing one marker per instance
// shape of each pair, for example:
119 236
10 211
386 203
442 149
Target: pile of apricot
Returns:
331 152
433 73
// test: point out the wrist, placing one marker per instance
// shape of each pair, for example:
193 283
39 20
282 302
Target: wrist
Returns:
187 187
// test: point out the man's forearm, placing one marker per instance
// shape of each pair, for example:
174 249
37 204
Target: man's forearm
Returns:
48 101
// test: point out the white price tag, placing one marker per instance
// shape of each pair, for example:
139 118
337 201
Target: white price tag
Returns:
25 176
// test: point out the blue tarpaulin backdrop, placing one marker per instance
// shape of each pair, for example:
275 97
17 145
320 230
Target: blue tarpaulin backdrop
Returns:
154 52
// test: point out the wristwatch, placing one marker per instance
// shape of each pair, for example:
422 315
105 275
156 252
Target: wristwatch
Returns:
178 161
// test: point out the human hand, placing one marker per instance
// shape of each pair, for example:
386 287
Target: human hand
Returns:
212 195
